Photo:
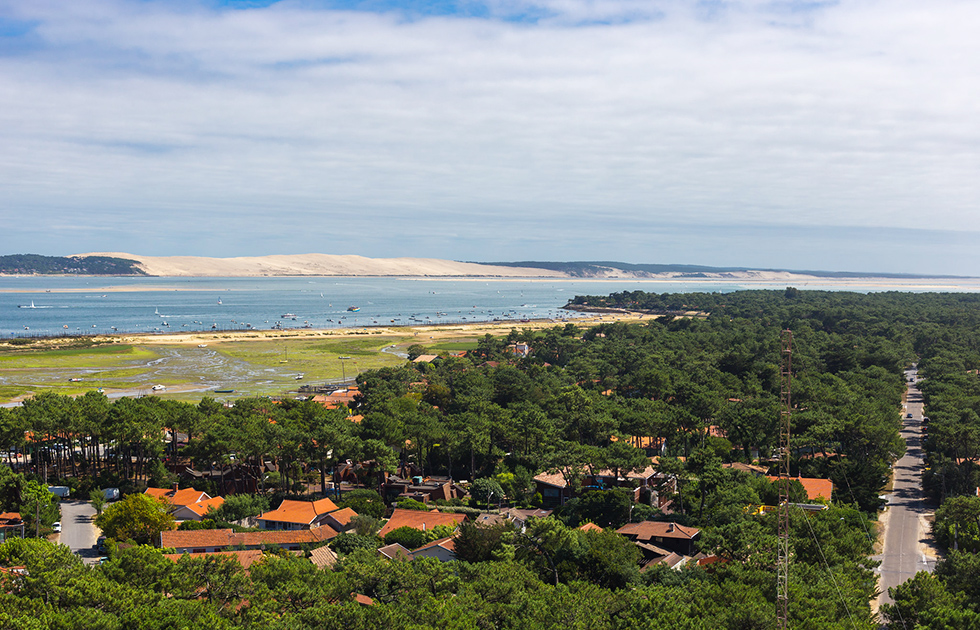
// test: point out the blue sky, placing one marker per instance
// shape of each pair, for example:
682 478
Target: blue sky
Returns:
804 135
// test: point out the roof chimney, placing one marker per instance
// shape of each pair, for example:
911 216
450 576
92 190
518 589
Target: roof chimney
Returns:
670 527
176 486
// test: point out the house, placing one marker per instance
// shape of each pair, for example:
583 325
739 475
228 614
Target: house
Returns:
197 511
11 525
291 515
425 358
590 527
177 497
646 481
340 520
213 540
417 519
519 349
671 537
553 488
337 398
489 520
519 517
395 551
443 550
816 489
422 489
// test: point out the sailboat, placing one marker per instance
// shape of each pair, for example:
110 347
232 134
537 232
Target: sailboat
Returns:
26 306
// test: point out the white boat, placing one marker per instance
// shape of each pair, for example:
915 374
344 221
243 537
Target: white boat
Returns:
158 388
26 306
202 345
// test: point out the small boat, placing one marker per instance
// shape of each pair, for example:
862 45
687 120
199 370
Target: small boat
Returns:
219 301
353 309
288 316
26 306
223 391
158 388
74 380
202 345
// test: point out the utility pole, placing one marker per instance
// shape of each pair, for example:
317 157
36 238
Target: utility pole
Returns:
782 513
343 368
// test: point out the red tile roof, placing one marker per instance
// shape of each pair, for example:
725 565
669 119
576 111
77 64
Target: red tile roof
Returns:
417 519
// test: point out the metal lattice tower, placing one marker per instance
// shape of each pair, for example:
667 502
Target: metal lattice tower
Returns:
782 514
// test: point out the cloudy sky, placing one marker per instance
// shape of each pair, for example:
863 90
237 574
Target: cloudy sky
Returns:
804 135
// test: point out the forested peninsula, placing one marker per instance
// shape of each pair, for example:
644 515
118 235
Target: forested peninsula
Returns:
35 264
607 477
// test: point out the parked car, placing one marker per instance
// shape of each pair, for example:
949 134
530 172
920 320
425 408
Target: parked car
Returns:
56 527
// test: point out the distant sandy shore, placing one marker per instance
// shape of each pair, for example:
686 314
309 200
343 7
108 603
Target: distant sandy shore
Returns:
433 331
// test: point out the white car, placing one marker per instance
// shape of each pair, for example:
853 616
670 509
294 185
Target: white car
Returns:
56 527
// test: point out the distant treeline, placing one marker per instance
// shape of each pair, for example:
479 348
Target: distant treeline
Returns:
590 269
79 265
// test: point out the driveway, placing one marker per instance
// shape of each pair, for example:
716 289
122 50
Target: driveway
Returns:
78 530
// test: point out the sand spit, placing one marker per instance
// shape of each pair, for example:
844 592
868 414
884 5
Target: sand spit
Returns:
319 265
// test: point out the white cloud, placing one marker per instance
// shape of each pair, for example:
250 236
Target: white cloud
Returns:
858 113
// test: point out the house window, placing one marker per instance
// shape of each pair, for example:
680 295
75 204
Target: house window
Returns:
198 550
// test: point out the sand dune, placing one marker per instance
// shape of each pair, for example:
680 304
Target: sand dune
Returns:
320 265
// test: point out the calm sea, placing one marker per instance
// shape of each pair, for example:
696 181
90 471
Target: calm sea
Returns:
46 306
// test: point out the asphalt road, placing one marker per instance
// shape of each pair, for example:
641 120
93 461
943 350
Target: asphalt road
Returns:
907 534
78 530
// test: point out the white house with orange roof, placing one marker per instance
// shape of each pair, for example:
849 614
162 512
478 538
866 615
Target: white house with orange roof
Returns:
177 497
197 511
298 515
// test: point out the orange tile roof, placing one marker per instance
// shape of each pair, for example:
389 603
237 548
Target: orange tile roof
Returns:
815 488
184 539
180 497
590 527
245 558
420 520
201 507
302 512
343 516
